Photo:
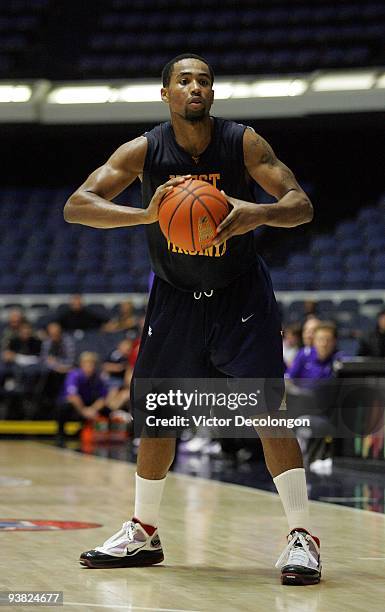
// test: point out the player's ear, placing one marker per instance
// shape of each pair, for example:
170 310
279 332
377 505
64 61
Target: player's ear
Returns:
164 94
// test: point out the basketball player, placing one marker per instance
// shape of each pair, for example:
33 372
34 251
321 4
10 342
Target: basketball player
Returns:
207 312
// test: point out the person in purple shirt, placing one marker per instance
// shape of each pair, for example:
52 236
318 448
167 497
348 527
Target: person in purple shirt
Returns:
317 362
308 329
84 392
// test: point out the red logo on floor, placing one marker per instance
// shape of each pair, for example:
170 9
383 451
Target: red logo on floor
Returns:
33 525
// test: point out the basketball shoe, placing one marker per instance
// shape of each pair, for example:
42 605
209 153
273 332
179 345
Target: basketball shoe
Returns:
132 546
300 562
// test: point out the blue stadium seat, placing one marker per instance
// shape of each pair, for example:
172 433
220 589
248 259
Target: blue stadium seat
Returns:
65 283
357 260
356 279
9 283
322 245
348 346
94 283
378 280
326 308
89 266
329 279
347 229
36 283
328 262
374 230
300 262
301 280
61 265
32 266
295 311
348 245
369 215
118 265
121 283
376 245
348 306
378 262
375 302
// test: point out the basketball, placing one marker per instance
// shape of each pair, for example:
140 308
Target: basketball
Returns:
190 213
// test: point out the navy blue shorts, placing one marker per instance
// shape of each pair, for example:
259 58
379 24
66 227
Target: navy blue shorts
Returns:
232 332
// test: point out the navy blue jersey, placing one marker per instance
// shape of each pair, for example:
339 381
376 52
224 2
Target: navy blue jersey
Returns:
222 165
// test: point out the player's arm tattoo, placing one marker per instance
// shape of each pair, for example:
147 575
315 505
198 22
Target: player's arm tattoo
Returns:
263 151
263 163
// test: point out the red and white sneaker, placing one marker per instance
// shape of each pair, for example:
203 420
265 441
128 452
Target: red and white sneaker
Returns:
300 562
132 546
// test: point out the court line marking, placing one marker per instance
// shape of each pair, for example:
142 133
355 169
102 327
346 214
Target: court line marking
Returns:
371 558
125 607
207 481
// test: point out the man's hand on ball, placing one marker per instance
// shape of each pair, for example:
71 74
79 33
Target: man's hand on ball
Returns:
152 211
244 217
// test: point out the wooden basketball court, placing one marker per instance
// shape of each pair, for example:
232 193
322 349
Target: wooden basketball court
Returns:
221 542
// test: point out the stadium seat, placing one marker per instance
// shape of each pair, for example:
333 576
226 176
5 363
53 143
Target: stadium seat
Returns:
325 308
65 283
93 283
356 279
376 245
327 262
374 230
89 266
369 215
378 279
330 279
36 283
301 280
348 306
348 245
378 262
9 283
347 229
121 283
322 245
300 262
357 260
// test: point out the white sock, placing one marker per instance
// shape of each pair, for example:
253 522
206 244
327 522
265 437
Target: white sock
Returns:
291 486
148 495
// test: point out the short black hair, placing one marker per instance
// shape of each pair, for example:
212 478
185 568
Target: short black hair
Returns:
167 70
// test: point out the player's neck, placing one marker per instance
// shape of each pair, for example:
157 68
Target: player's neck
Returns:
193 137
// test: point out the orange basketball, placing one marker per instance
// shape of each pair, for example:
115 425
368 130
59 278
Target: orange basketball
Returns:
190 213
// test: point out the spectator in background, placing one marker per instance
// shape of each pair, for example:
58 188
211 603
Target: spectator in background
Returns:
84 392
124 321
118 362
58 350
11 330
78 316
117 367
317 364
308 329
307 390
57 358
373 345
22 368
23 348
291 342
